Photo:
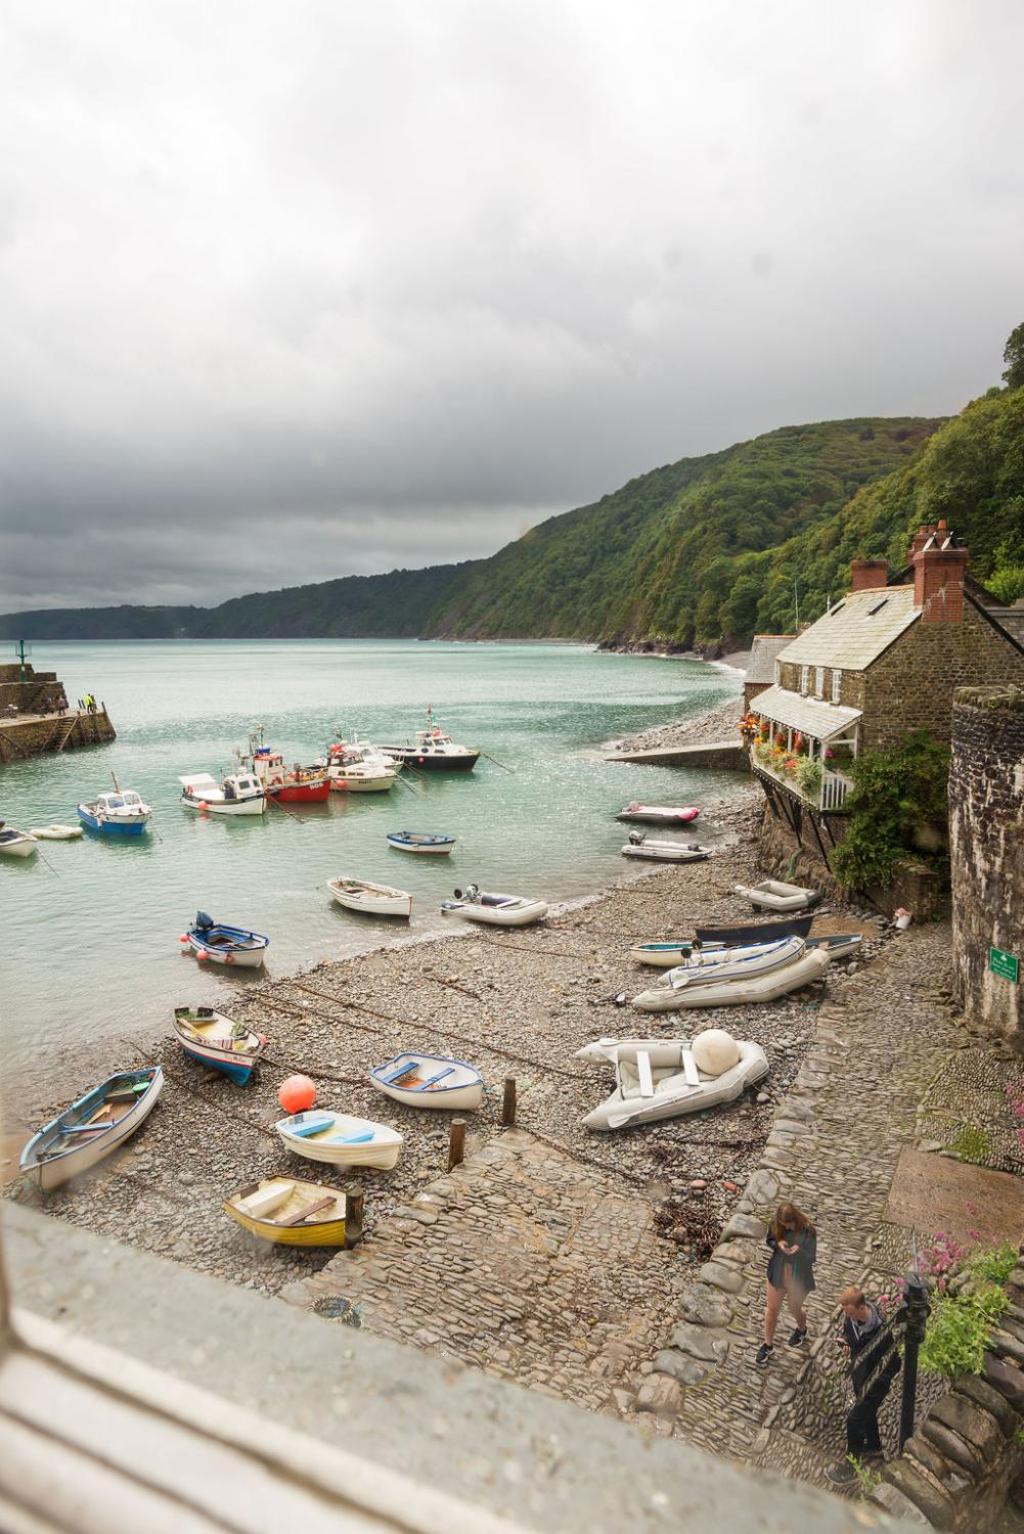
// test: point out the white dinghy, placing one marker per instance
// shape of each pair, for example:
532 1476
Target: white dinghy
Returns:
641 846
718 966
766 986
339 1138
474 904
773 895
56 833
657 1079
430 1081
371 899
16 844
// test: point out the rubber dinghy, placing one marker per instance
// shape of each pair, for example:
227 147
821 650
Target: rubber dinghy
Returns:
56 833
669 955
718 965
474 904
656 1079
659 814
767 986
339 1138
773 895
430 1081
641 846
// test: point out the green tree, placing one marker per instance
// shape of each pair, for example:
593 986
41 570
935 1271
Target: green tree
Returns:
1013 356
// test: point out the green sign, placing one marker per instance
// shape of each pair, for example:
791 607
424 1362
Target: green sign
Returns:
1007 965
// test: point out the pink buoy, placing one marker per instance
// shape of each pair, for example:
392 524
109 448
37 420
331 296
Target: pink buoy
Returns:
296 1094
202 955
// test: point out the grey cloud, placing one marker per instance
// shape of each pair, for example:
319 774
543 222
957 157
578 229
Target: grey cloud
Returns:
289 292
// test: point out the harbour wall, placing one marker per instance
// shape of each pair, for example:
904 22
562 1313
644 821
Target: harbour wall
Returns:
37 734
727 754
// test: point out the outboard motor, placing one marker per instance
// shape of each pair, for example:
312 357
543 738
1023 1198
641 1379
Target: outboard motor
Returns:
636 838
203 922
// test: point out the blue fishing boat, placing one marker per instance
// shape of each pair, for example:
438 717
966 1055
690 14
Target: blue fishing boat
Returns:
420 841
121 813
216 1041
222 944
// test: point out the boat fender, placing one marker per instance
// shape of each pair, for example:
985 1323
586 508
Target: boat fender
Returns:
229 958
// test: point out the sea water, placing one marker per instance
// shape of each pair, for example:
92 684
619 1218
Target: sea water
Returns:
91 928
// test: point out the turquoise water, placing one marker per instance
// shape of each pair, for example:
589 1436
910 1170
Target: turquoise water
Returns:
91 933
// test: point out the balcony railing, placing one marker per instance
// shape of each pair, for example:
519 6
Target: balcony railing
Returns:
829 796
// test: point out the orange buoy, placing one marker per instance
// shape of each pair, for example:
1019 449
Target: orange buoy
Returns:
202 955
296 1094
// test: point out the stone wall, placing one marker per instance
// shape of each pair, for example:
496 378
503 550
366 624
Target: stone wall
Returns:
986 796
21 738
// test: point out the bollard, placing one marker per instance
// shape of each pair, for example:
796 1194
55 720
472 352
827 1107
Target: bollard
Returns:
918 1306
456 1143
508 1102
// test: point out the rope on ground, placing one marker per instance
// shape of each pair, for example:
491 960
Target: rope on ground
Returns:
638 1179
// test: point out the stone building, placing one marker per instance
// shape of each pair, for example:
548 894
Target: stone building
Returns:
761 665
884 660
986 810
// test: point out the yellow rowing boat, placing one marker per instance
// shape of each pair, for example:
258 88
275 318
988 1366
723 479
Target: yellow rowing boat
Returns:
293 1212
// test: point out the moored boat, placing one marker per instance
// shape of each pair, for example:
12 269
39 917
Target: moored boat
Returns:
237 794
216 1041
810 966
421 841
494 910
717 966
430 1081
341 1139
659 814
434 751
294 785
16 844
290 1211
121 813
372 899
774 895
657 1079
356 767
56 833
224 944
92 1127
641 846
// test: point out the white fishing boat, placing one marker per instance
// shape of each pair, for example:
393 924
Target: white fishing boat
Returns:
372 899
322 1135
92 1127
16 844
423 842
641 846
430 1081
662 1079
718 966
493 910
434 751
356 767
774 895
240 793
659 814
766 986
56 833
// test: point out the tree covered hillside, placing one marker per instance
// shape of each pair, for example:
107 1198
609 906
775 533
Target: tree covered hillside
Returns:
686 554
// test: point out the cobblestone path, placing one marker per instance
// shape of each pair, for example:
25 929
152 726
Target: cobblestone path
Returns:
833 1151
519 1262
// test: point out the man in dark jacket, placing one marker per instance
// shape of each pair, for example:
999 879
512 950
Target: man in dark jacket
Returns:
874 1364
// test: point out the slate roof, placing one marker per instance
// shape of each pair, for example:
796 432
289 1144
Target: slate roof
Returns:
856 630
808 715
763 650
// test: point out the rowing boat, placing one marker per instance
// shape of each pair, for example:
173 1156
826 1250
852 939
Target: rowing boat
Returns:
430 1081
216 1041
341 1139
290 1211
372 899
92 1127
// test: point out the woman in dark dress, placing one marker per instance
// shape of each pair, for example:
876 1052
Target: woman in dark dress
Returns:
793 1243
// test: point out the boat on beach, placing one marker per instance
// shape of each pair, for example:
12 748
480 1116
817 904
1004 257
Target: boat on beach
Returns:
741 990
754 932
290 1211
356 767
223 944
659 814
121 813
92 1127
641 846
371 899
56 833
434 751
668 955
430 1081
216 1041
774 895
662 1079
16 844
421 841
494 910
706 966
237 794
322 1135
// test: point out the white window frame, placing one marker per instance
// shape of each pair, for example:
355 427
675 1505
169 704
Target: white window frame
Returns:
805 680
819 681
837 684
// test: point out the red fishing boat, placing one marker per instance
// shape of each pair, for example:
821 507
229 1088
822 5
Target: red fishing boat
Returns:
288 785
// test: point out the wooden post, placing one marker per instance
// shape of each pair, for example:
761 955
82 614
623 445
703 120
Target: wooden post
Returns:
508 1102
456 1143
353 1218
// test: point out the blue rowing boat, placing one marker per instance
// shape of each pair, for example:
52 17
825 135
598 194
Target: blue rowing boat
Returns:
222 944
420 841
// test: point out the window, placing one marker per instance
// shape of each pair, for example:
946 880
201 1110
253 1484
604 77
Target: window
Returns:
805 679
837 684
819 681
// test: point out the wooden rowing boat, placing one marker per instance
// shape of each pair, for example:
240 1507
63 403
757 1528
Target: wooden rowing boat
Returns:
290 1211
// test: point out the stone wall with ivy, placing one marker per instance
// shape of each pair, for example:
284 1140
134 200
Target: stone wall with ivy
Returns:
986 799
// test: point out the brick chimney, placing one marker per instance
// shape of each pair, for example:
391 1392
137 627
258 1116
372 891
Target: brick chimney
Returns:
938 575
868 574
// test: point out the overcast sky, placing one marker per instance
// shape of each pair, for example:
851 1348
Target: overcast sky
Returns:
290 291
